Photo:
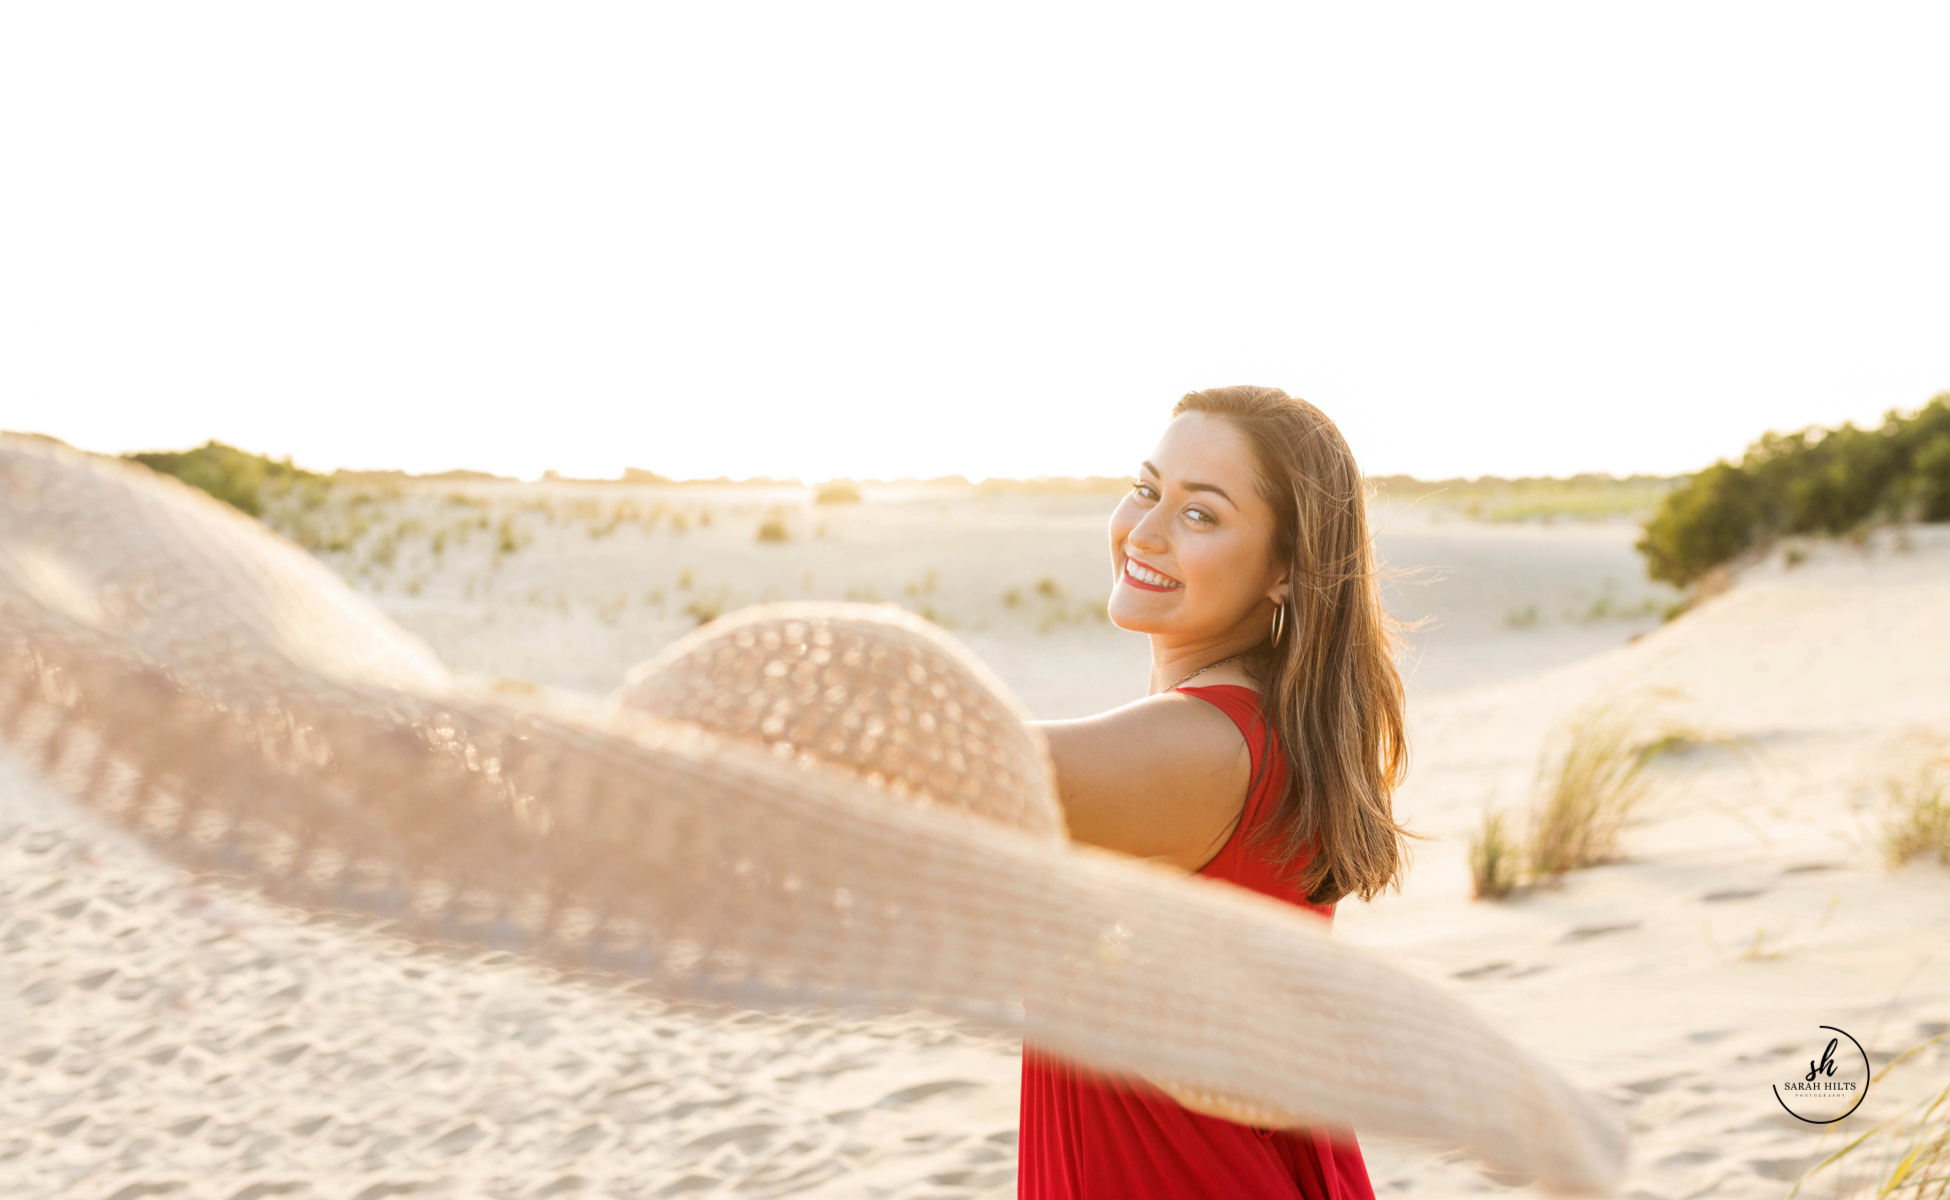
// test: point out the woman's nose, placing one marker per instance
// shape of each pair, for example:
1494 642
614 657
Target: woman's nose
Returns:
1148 534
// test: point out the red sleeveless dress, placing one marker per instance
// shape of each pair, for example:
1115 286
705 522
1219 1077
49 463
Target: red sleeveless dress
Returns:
1097 1137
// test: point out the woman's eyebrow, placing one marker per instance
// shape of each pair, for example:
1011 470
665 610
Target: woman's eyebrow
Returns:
1198 487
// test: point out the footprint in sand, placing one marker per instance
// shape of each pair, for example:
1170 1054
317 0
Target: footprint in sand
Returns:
748 1138
1785 1168
1494 968
921 1091
1652 1087
1733 894
1586 932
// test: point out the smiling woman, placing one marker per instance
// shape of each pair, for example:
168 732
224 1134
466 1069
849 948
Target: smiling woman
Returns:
1242 551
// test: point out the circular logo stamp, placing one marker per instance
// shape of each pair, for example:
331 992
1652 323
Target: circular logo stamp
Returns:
1836 1080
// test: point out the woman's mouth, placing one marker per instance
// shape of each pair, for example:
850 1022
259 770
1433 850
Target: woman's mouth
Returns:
1140 576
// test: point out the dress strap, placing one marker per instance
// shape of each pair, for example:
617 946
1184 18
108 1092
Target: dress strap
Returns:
1242 705
1239 703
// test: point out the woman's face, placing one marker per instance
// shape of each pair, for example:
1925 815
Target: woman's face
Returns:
1192 542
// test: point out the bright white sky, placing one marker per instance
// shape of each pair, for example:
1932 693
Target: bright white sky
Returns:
915 239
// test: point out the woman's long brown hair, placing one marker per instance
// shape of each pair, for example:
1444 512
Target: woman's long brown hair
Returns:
1330 686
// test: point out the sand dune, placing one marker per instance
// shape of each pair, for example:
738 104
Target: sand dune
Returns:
1755 908
157 1038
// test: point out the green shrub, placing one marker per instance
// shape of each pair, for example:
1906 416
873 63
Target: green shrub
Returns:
231 475
1813 481
1927 486
1708 521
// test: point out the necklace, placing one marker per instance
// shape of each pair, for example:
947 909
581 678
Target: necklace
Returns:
1202 670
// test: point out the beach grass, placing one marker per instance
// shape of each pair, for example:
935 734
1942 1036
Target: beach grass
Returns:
1496 859
1913 1152
1916 818
1590 783
1590 789
773 529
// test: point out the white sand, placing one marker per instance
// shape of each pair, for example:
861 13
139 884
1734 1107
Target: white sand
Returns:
158 1039
1821 668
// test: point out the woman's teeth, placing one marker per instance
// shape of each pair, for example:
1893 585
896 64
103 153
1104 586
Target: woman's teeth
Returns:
1151 577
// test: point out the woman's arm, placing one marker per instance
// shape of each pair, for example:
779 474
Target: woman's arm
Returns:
1163 778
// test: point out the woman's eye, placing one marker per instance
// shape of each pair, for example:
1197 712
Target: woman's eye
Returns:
1199 515
1144 489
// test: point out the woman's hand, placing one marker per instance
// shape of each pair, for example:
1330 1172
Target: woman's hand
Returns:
1162 779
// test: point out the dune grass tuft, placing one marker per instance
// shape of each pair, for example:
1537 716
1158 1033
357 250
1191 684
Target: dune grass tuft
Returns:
1588 791
773 530
1916 820
1589 785
1495 860
706 609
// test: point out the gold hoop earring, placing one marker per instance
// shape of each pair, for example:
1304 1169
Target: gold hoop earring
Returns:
1279 623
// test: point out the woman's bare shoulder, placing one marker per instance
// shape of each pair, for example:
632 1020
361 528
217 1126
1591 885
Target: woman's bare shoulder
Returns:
1163 777
1172 715
1169 725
